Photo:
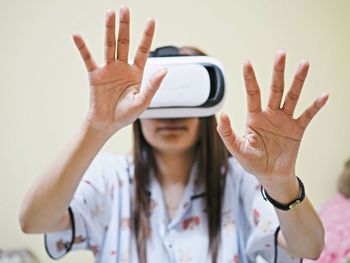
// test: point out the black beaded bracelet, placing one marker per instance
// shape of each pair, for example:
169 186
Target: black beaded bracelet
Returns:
290 205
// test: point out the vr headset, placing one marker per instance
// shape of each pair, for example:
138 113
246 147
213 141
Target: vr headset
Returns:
193 87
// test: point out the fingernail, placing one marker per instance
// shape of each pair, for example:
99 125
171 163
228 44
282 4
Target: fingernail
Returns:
303 63
281 51
123 10
325 94
150 20
110 12
164 71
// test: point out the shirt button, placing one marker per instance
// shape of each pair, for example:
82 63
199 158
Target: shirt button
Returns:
186 205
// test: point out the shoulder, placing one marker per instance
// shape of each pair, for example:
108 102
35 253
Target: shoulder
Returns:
113 161
107 168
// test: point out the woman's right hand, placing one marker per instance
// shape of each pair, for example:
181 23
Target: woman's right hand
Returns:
116 101
115 96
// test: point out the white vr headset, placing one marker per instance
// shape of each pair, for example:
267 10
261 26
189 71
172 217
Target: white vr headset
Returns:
193 87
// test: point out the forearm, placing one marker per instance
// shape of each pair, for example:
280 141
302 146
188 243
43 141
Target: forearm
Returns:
302 232
48 199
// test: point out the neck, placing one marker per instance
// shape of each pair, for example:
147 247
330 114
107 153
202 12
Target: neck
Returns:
174 168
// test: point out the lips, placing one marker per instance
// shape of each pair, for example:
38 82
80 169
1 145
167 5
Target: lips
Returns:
172 128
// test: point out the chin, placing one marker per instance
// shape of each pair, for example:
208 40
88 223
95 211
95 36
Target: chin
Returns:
174 147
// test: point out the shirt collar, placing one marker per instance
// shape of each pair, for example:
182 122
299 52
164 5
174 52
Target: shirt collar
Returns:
195 187
193 190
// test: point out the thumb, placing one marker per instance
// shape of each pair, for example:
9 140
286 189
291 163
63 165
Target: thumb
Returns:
230 139
151 88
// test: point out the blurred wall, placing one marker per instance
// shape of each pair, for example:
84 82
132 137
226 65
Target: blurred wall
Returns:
44 88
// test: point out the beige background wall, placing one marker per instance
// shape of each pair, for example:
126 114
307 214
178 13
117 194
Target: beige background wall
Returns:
44 89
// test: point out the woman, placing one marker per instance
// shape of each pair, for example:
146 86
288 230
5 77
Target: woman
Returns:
335 214
158 206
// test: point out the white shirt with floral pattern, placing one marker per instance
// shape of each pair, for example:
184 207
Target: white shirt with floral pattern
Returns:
101 212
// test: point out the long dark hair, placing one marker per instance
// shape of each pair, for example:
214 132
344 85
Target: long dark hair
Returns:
212 168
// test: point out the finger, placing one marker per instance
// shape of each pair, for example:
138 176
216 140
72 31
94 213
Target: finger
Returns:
306 117
231 141
123 34
84 52
110 37
252 88
145 96
277 85
293 94
145 45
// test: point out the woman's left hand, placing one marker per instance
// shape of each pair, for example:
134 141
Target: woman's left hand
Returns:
272 137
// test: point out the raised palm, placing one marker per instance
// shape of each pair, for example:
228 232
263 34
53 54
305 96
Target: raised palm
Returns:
115 96
272 137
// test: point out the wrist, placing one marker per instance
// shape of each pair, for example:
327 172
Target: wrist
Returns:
286 206
283 189
92 133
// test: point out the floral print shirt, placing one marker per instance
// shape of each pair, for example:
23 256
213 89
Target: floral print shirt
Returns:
101 212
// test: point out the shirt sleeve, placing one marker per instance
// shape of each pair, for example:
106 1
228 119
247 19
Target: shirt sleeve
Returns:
263 226
90 211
